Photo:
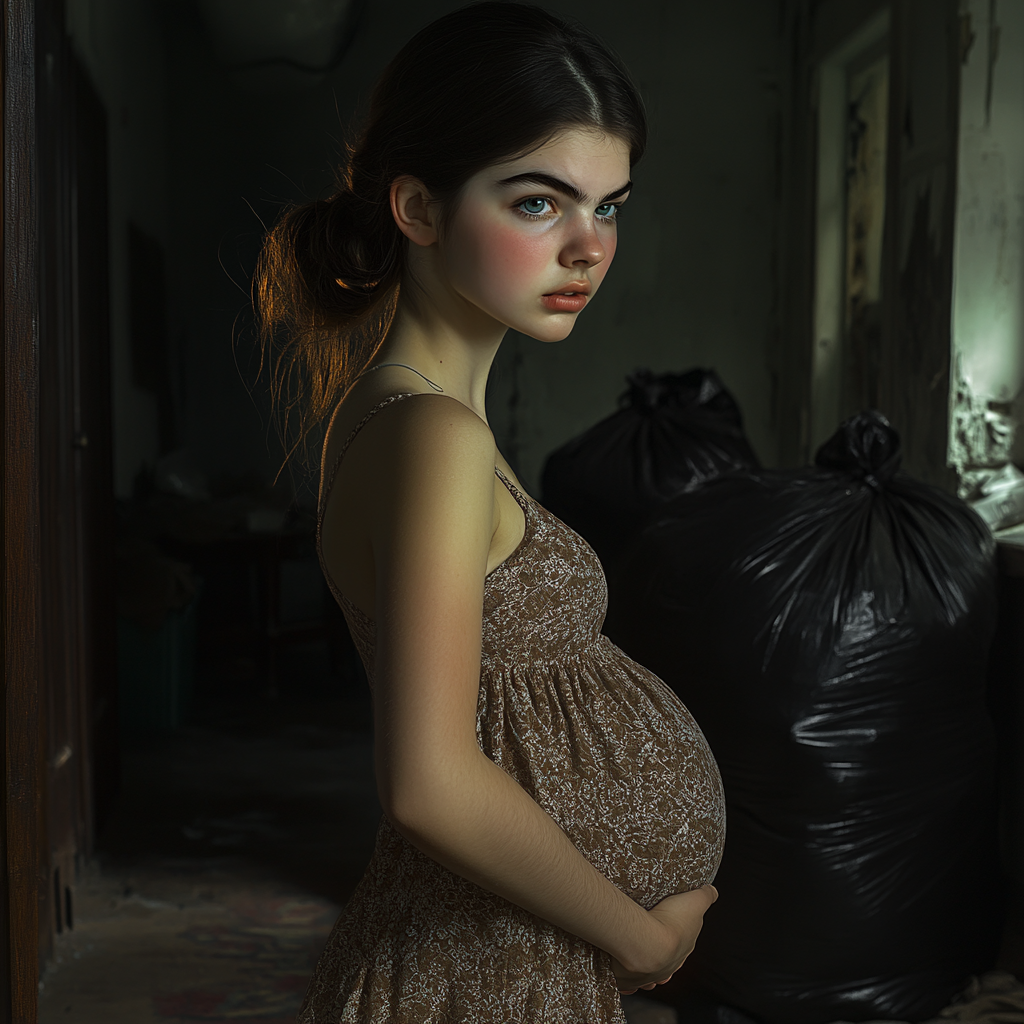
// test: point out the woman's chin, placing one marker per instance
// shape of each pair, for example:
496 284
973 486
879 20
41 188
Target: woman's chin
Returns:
554 328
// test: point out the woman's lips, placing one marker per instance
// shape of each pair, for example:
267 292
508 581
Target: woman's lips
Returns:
560 303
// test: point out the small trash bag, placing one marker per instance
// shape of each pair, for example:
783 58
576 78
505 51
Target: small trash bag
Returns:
829 630
672 430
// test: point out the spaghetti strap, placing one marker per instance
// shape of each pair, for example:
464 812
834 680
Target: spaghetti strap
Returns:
327 480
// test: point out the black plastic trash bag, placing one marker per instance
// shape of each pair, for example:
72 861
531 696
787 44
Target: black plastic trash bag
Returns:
829 629
673 429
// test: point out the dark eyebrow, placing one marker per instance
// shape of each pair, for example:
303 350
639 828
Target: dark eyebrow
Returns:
567 189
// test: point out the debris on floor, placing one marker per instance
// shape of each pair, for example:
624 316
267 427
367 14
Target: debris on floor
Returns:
185 941
234 844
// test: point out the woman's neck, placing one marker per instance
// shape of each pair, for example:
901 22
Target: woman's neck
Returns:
448 340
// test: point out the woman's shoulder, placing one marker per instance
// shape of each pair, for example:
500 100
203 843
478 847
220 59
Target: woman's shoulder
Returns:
433 412
425 429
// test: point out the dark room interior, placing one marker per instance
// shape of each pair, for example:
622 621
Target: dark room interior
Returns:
828 220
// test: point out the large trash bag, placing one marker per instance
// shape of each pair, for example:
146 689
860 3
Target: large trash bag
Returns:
672 429
829 630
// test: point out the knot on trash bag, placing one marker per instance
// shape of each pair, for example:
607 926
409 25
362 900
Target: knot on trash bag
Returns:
648 391
866 447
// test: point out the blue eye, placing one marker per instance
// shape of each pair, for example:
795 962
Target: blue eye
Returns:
534 206
607 211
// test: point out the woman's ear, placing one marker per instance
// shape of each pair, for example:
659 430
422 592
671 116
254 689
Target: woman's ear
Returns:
413 210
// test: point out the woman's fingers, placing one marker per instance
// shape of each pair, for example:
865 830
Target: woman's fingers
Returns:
683 916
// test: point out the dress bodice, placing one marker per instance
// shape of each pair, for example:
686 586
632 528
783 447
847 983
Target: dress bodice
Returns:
546 600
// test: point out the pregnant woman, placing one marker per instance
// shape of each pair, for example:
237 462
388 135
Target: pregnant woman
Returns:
553 817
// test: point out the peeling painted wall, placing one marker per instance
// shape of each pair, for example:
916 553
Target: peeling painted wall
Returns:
914 385
911 385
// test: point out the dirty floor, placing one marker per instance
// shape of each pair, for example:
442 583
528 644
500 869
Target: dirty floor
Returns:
235 841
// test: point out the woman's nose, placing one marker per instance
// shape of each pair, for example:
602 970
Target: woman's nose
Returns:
583 248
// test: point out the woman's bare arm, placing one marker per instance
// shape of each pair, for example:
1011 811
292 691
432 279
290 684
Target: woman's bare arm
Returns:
432 514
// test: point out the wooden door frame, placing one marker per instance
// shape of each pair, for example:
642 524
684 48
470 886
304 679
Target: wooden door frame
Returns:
19 497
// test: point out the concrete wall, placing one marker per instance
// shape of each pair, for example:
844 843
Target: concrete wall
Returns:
693 282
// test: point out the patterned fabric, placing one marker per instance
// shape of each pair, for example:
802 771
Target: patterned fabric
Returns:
599 742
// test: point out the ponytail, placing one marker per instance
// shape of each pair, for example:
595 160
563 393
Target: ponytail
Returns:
325 291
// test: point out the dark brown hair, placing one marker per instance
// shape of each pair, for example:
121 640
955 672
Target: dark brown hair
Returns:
479 86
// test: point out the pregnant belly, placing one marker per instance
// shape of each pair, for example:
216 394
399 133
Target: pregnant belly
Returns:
616 759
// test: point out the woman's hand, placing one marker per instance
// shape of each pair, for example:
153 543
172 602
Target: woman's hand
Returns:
680 918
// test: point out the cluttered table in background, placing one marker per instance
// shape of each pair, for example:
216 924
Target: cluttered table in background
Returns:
207 578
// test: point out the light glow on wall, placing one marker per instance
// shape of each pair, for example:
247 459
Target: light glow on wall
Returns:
988 295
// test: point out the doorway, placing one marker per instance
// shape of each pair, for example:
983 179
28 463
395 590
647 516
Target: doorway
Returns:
852 132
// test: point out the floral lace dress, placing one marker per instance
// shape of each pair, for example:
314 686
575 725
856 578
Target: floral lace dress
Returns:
603 745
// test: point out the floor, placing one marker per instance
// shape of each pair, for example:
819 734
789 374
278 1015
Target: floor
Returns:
235 842
184 941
